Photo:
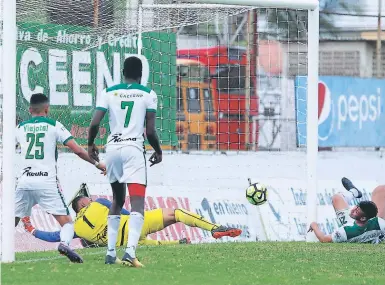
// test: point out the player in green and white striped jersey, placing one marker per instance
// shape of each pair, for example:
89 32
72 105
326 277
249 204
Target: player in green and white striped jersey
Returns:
359 224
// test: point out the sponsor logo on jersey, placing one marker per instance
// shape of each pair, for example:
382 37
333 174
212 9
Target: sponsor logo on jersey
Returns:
126 96
28 172
116 138
101 238
35 129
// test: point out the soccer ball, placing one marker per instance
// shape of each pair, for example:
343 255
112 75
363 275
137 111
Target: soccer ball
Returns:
256 194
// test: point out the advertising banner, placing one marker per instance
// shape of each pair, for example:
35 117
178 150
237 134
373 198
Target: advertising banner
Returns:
72 66
282 218
350 111
212 187
285 216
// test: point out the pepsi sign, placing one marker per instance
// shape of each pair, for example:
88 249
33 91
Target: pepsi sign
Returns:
350 111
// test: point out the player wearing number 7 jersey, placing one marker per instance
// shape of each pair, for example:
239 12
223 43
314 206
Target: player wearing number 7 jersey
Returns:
130 105
37 181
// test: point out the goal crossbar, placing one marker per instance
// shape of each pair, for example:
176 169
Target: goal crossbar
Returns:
289 4
190 6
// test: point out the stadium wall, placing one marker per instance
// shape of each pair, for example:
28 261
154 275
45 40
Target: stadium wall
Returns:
213 186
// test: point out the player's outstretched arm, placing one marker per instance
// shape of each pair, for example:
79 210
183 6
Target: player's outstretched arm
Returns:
79 151
47 236
64 136
42 235
152 138
319 234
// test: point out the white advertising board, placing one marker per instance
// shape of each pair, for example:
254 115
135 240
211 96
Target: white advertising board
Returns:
285 214
214 185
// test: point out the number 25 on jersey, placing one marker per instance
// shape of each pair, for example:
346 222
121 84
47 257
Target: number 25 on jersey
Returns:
35 141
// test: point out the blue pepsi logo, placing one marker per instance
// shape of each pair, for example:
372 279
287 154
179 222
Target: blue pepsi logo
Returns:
325 112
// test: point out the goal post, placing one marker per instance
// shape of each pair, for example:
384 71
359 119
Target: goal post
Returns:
9 123
72 62
312 115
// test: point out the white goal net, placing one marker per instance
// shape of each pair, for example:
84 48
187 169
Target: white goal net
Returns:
231 84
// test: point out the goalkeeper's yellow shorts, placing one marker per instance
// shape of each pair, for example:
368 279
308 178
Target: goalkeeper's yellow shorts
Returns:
153 222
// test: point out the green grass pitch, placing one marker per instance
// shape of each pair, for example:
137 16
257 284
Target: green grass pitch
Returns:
254 263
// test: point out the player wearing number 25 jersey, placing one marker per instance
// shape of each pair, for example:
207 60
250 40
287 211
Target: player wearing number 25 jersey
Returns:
131 110
37 138
37 181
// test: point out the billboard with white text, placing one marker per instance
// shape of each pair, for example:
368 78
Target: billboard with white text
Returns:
350 111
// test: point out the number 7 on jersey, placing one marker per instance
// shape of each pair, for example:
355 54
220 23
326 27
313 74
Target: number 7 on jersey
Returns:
129 105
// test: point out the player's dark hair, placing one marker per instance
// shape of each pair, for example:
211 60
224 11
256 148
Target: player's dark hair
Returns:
75 202
132 68
38 98
369 209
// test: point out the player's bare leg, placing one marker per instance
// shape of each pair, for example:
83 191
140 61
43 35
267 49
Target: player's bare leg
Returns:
378 197
341 201
171 216
66 236
119 196
137 194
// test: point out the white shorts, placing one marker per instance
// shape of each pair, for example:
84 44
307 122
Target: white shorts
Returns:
126 165
343 217
50 200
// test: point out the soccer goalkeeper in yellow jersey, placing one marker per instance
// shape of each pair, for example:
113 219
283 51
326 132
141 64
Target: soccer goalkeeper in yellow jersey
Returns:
91 224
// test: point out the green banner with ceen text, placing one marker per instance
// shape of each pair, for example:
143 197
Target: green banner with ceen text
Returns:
72 66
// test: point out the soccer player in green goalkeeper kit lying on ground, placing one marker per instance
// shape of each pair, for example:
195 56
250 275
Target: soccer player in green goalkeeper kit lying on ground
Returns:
364 223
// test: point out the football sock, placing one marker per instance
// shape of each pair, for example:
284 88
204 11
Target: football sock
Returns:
193 220
67 233
135 226
112 234
355 192
348 196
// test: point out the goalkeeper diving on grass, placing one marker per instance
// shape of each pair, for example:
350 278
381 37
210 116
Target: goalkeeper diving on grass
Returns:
364 223
91 224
